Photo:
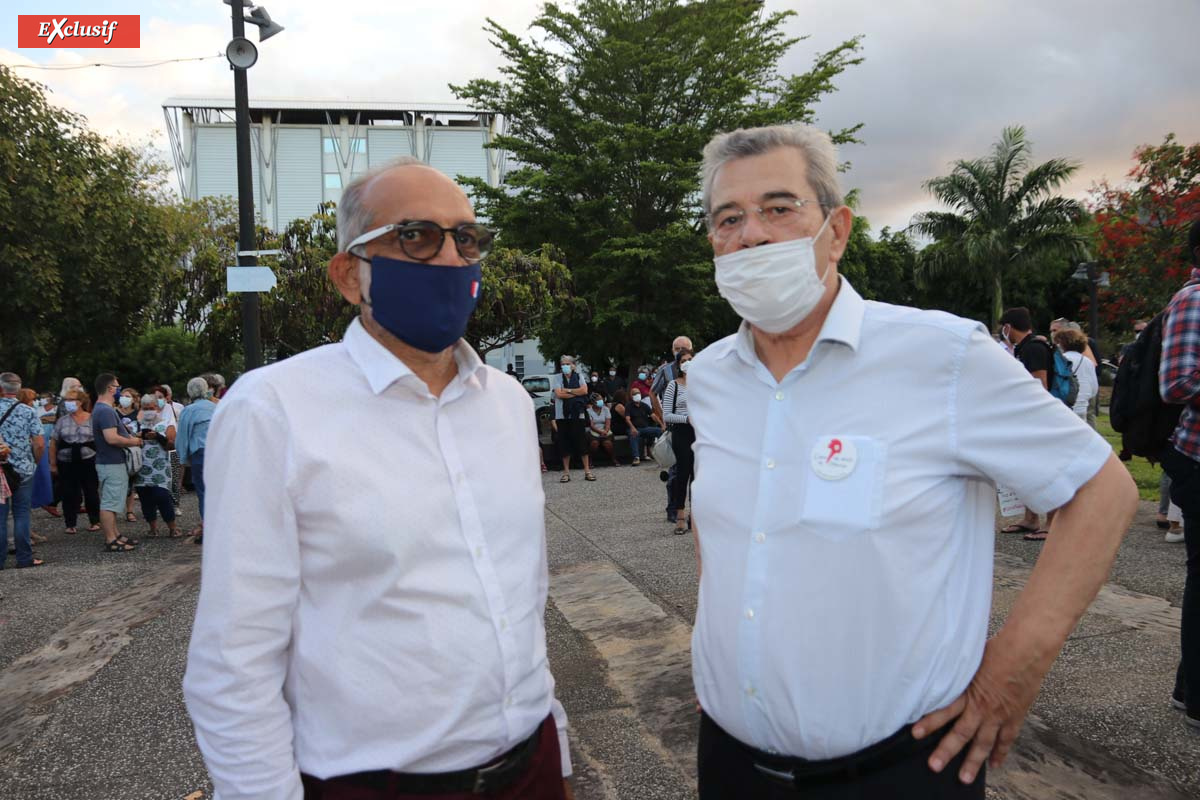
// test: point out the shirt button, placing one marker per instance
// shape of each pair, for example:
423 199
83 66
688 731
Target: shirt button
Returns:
749 691
770 463
479 552
749 613
459 478
779 395
504 623
508 701
760 537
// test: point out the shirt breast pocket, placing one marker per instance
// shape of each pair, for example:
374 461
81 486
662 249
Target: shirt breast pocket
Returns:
843 488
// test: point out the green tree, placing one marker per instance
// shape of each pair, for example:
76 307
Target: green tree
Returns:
169 355
1004 217
84 233
608 107
520 292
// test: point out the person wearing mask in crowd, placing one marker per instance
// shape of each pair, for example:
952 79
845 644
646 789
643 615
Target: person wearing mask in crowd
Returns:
613 383
1072 344
641 384
173 454
570 410
128 407
675 414
217 384
663 376
622 425
73 457
47 411
191 439
21 446
840 647
327 659
1037 356
646 425
153 481
67 385
43 483
1179 382
600 433
112 439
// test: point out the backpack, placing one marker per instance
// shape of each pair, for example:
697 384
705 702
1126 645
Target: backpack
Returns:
1061 381
1137 410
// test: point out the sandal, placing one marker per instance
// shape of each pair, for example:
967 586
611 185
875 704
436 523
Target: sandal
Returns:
1036 536
37 562
71 531
565 478
587 476
127 540
129 517
544 469
175 534
93 528
52 511
1018 528
117 546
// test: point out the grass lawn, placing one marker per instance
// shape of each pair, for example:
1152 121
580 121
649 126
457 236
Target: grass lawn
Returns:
1144 474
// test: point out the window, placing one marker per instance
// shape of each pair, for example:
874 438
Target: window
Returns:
358 145
519 365
536 384
333 180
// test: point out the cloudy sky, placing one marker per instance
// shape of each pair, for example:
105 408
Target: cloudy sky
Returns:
1090 80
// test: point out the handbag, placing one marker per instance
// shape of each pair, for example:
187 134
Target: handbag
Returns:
133 456
663 450
10 472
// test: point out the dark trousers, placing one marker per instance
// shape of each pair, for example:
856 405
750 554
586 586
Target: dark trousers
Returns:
1185 493
682 437
542 780
75 478
156 500
894 769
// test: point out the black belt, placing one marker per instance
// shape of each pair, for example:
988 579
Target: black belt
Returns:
491 777
799 772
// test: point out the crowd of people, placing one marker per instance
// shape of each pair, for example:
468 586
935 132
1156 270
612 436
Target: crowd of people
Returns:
98 454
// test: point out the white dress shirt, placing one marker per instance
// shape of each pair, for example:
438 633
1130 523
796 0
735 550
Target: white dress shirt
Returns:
835 610
374 576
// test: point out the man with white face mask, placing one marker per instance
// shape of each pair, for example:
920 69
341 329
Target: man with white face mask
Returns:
844 499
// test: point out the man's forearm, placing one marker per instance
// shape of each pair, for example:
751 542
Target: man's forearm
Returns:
1075 561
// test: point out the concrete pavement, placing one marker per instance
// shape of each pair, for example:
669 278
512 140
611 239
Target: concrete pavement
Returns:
92 649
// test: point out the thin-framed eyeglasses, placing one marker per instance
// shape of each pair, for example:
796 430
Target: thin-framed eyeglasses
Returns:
422 239
782 214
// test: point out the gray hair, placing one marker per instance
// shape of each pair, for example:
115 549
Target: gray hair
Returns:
353 218
566 359
167 389
196 388
150 398
1075 326
816 145
68 384
10 382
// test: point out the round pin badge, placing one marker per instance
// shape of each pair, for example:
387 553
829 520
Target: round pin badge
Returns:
834 458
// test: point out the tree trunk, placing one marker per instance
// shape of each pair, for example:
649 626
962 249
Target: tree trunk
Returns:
997 300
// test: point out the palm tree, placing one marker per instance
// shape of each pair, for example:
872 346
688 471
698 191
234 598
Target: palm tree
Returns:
1003 216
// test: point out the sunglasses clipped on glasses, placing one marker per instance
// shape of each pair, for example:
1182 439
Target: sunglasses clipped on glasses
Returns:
421 239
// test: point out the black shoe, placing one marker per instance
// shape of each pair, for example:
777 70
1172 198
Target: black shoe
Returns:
671 515
1177 701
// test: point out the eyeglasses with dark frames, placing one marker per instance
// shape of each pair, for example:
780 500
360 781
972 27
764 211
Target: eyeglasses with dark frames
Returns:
422 239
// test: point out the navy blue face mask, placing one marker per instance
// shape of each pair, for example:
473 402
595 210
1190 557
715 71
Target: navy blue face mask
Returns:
423 305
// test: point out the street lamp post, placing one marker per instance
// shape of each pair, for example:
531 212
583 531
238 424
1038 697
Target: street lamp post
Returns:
242 55
1089 271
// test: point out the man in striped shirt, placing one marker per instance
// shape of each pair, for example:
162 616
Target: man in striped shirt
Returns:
1179 382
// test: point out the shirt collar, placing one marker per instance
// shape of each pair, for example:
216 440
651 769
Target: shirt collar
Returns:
382 368
842 324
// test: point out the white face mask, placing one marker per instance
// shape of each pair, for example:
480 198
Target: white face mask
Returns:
126 401
684 367
773 286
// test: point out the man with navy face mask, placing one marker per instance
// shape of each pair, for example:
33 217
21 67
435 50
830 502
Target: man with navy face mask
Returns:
844 504
370 622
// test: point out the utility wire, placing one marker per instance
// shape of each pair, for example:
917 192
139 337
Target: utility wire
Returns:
116 65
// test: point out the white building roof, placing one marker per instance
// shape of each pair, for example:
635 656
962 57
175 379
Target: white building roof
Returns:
320 104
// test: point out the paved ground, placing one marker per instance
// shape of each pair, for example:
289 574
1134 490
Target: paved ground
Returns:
92 650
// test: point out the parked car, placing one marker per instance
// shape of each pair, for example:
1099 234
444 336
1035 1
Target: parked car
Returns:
538 387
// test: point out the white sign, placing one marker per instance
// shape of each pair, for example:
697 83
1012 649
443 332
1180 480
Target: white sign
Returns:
1010 504
249 279
259 252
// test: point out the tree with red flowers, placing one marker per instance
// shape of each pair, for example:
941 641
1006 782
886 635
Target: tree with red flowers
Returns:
1142 230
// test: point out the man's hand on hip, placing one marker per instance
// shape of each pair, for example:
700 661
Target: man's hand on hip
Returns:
991 711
